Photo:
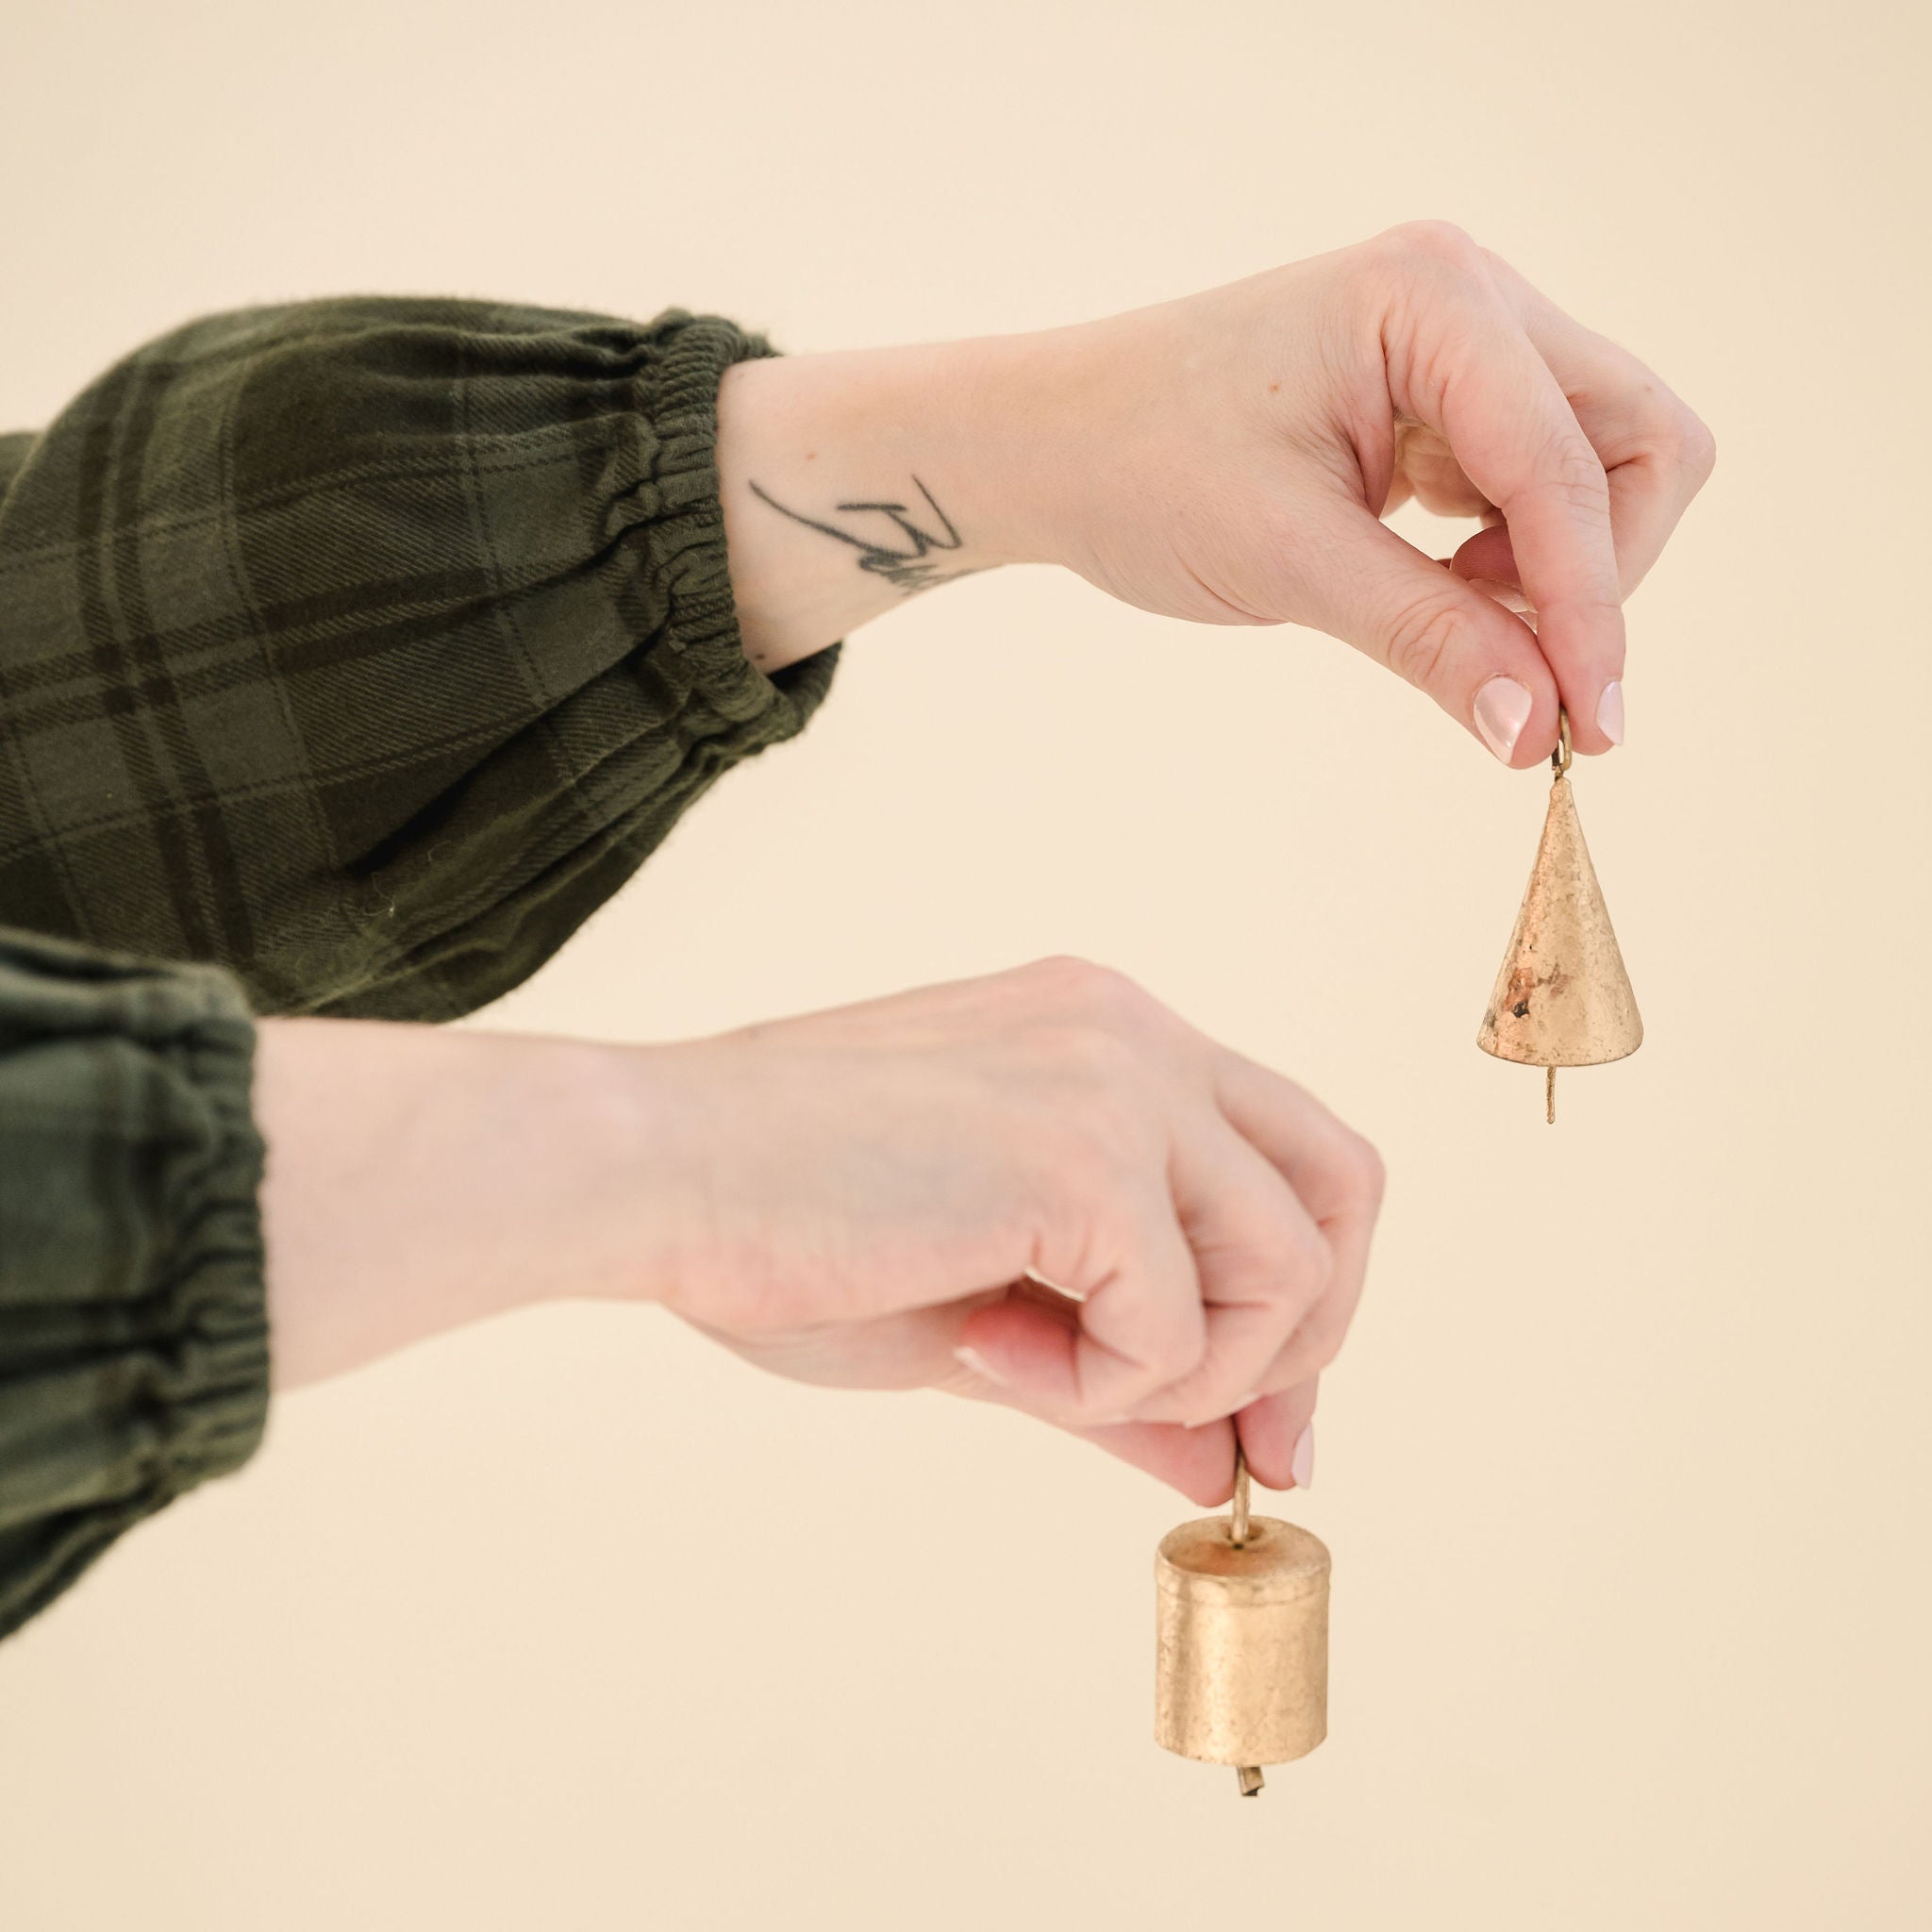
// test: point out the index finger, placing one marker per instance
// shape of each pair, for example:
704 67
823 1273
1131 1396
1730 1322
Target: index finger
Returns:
1338 1177
1336 1174
1511 429
1656 452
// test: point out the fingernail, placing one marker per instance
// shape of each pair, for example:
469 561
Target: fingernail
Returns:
1072 1295
1226 1413
1301 1465
979 1365
1507 595
1502 709
1610 711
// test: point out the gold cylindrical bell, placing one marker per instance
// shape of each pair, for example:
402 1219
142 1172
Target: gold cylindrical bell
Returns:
1242 1642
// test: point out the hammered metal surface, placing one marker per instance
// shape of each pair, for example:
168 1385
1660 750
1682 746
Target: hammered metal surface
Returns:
1563 998
1241 1643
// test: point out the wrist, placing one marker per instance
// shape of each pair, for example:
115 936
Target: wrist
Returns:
1025 410
852 480
419 1178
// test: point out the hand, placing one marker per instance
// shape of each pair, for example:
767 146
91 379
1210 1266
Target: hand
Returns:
856 1196
849 1198
1227 457
1239 448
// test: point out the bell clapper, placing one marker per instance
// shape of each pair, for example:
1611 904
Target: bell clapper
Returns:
1247 1775
1560 761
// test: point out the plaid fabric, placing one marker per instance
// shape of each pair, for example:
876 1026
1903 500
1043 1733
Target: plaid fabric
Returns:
133 1328
365 646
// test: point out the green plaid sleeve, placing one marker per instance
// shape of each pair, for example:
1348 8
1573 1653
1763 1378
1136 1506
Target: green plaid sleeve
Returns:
366 647
133 1322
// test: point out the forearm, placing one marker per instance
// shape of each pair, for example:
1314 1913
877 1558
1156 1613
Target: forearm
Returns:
853 480
421 1178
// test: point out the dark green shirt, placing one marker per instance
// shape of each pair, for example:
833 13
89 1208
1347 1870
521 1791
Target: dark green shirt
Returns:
358 650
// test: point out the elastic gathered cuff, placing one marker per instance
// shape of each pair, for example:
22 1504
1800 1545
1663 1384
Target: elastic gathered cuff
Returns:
436 594
677 403
134 1352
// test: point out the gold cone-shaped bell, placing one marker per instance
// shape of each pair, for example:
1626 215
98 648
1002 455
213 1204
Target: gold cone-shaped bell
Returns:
1563 998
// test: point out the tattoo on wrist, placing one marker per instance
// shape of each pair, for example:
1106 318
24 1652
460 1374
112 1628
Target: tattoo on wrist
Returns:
905 569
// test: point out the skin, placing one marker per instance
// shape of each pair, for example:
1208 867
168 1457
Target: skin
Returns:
1130 1231
1228 458
847 1198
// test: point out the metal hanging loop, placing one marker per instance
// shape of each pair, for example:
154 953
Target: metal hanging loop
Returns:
1240 1525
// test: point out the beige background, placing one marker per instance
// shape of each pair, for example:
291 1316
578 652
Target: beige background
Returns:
570 1621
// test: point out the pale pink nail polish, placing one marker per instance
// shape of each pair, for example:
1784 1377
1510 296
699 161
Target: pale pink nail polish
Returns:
1301 1465
1507 595
1502 709
1610 711
979 1365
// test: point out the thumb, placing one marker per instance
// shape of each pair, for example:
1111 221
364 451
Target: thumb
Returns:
1431 626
